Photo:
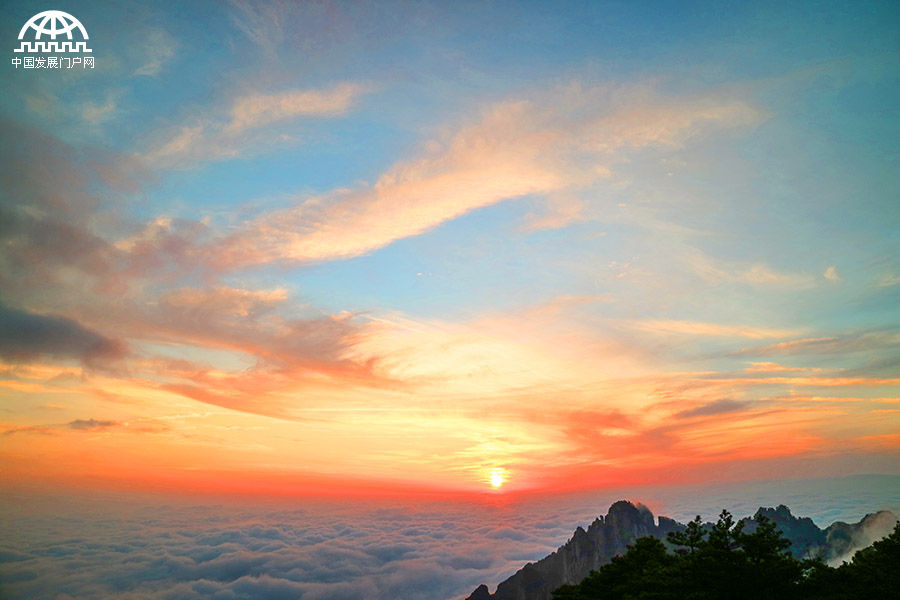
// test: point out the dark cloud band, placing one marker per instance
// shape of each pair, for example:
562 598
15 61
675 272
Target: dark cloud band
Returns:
24 335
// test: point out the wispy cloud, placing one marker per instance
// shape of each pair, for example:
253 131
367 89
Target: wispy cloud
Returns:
717 407
559 211
694 328
772 367
262 22
99 112
561 141
91 424
851 342
156 51
256 110
213 303
244 127
755 273
77 425
888 280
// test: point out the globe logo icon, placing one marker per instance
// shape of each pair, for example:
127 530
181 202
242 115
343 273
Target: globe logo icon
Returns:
53 23
49 25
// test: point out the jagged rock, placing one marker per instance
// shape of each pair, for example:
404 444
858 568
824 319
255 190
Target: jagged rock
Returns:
842 539
669 524
805 536
609 536
481 593
834 543
587 550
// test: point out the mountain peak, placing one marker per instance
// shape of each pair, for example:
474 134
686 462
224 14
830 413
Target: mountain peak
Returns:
781 513
626 511
626 521
585 551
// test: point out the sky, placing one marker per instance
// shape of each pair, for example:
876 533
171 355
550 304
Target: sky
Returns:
425 248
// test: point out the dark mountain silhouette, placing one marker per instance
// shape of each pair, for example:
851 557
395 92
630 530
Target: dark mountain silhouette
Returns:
587 550
625 522
831 544
806 538
843 539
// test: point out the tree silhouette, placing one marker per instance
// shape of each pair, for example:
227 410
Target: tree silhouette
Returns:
724 562
645 571
874 572
689 539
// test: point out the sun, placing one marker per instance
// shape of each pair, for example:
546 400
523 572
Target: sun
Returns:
497 477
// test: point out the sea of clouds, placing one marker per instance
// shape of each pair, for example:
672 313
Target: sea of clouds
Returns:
130 547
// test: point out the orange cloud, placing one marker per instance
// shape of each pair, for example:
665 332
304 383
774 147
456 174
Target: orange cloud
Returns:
534 393
225 301
813 381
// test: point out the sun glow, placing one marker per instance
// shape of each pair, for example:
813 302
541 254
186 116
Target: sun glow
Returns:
497 477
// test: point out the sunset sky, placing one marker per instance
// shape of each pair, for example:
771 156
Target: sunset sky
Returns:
375 248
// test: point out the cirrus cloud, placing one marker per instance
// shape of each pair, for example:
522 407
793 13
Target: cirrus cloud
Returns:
246 126
558 142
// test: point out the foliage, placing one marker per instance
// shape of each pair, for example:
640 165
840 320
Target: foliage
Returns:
874 572
722 561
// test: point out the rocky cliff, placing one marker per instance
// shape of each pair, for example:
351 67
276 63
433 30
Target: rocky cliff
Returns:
586 551
625 522
833 544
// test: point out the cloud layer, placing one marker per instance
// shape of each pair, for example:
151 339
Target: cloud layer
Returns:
166 548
